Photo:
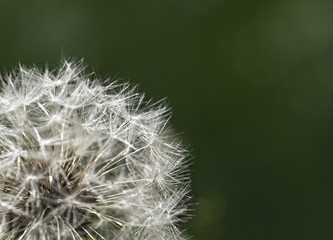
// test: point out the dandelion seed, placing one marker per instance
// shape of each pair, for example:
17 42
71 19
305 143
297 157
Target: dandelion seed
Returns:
80 160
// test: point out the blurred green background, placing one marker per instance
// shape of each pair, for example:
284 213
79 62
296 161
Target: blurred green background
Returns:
250 84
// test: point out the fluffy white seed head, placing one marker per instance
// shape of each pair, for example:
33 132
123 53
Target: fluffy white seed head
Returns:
81 160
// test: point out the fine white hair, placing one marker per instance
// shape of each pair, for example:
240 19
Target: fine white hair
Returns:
83 158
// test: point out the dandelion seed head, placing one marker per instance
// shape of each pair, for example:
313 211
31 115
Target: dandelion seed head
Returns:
81 159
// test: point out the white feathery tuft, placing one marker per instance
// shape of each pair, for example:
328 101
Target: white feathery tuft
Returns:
81 160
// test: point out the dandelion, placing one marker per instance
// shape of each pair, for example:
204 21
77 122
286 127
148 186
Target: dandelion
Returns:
83 160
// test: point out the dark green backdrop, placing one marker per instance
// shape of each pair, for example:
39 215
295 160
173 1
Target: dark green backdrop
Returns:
250 84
